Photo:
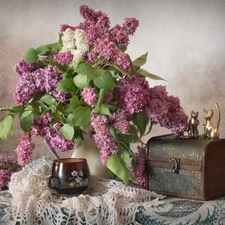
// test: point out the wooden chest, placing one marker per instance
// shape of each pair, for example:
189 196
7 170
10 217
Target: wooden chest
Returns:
186 168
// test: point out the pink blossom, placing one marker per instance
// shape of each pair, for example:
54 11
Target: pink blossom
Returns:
103 138
5 177
134 94
166 110
120 122
63 58
108 96
139 171
22 67
24 149
25 90
90 96
52 76
58 142
130 25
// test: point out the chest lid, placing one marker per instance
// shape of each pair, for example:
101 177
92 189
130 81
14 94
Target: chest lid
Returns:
185 153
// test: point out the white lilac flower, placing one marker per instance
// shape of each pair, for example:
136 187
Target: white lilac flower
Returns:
76 43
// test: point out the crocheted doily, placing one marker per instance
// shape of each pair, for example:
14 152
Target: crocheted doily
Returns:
104 202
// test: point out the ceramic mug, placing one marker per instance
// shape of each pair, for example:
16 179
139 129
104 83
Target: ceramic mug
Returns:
69 176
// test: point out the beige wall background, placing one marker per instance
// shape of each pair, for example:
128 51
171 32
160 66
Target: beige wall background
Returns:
185 40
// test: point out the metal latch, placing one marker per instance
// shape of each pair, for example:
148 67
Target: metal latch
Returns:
176 164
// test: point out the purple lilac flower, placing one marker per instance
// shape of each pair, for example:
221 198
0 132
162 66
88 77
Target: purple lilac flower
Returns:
104 41
139 171
103 138
22 67
134 94
39 79
24 149
120 122
41 126
62 96
176 119
119 36
130 25
64 27
4 159
166 110
5 177
63 58
52 77
109 95
24 90
90 96
57 126
58 142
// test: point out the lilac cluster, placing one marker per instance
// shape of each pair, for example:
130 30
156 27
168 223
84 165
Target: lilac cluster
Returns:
166 110
103 138
90 96
103 40
7 166
139 171
33 80
137 96
63 58
5 177
134 94
24 149
120 122
42 127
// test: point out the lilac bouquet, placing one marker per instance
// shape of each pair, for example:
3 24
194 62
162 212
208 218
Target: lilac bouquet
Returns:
8 166
88 78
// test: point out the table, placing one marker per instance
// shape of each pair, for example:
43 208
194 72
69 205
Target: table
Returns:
174 211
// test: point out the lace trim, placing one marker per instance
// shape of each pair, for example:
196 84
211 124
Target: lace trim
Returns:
104 202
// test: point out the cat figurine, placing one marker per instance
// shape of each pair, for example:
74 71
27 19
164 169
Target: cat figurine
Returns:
193 125
211 131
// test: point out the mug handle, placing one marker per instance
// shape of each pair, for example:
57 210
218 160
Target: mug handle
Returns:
53 182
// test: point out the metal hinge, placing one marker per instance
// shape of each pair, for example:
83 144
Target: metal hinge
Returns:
176 164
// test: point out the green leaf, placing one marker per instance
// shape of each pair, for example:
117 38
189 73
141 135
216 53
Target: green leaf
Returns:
149 75
27 122
100 100
125 155
31 55
116 165
81 68
141 121
140 61
93 73
105 81
81 80
103 109
74 102
48 100
128 138
80 117
66 86
6 127
42 50
67 131
44 102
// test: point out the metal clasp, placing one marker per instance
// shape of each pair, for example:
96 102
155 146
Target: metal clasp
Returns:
176 164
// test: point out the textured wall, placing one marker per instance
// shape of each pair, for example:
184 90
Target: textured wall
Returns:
184 38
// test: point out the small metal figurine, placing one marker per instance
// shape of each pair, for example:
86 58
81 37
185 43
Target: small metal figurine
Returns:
211 131
193 125
192 131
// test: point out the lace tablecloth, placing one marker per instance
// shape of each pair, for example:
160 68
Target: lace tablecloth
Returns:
174 211
29 202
